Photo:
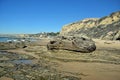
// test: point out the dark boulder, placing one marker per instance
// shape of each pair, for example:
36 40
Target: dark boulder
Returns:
79 44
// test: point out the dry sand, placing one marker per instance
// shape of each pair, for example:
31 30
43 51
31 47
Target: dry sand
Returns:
95 71
92 71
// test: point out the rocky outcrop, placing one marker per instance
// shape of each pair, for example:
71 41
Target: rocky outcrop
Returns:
107 27
12 45
79 44
112 35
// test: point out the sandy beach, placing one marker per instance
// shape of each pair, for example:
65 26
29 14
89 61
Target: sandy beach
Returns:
102 64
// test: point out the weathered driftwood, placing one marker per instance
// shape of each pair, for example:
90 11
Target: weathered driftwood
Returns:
78 44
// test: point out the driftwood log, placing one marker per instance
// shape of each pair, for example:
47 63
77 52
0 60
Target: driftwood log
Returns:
79 44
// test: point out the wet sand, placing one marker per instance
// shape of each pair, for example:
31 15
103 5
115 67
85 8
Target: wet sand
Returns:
102 64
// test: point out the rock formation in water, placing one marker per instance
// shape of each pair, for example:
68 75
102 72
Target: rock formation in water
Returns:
107 27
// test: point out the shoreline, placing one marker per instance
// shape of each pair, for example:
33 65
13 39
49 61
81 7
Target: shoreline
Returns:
105 60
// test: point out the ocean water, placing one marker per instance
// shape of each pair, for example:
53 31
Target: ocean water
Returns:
5 39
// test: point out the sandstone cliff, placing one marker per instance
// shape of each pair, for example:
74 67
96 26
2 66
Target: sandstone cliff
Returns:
107 27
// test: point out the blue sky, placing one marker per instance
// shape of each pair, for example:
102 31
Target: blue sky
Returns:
34 16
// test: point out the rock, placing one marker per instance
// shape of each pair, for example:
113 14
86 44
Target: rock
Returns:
95 27
24 46
79 44
13 45
6 78
117 36
70 78
112 35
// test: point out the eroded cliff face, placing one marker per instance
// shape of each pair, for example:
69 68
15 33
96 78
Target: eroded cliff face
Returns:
107 27
78 25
